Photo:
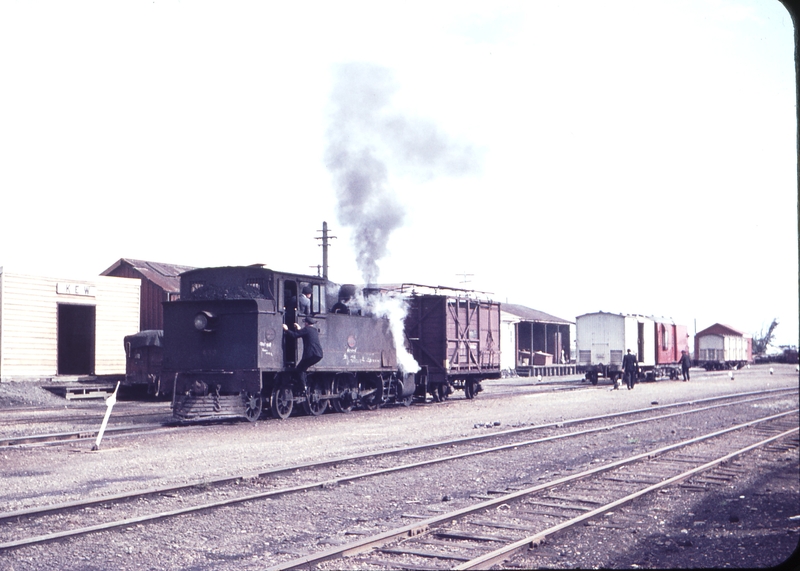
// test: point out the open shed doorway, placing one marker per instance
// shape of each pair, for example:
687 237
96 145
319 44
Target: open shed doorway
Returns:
76 339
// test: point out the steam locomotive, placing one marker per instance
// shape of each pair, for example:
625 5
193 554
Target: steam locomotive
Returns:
227 356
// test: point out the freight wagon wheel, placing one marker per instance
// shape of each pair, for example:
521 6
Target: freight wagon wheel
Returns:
470 388
253 404
315 403
344 386
281 402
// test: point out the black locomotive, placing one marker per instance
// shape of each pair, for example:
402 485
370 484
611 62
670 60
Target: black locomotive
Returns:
226 353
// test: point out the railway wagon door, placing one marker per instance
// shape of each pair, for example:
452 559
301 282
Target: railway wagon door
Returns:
640 343
289 317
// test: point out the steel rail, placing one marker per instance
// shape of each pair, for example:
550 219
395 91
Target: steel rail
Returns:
71 437
88 416
342 459
64 437
501 554
422 526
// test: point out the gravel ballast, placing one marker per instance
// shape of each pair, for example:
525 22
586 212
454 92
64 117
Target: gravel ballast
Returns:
763 534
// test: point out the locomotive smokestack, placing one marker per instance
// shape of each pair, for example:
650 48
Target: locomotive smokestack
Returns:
364 136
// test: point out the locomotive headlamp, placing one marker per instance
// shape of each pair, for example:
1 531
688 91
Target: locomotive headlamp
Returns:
202 321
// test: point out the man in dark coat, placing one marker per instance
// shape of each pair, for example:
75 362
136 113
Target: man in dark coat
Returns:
686 362
629 369
304 301
312 349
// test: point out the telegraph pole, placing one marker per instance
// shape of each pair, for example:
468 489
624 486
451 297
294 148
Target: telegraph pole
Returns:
324 245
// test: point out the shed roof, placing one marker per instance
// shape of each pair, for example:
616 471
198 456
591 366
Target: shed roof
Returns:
528 314
720 329
165 276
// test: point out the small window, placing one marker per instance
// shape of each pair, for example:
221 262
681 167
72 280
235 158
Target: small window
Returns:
196 286
318 299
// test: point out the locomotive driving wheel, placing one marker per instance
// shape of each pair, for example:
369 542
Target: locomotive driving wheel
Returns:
253 404
315 403
344 388
372 397
371 401
281 401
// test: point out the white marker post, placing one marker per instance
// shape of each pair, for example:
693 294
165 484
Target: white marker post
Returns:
109 404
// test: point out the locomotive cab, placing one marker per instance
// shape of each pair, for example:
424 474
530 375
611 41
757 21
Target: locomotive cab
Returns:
292 293
227 355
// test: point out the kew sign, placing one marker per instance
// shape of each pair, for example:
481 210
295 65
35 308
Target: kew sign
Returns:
76 289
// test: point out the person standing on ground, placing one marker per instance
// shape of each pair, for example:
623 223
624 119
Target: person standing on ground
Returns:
629 369
685 362
312 349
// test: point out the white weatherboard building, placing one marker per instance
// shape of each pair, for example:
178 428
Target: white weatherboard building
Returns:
65 326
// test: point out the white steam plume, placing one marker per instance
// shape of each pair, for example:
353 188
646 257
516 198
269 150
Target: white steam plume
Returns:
394 307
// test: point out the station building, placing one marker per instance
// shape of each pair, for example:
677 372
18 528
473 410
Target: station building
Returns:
535 342
51 326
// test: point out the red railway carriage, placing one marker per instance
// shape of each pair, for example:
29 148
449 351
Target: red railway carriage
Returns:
671 339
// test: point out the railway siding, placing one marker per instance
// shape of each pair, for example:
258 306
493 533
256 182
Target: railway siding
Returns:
246 536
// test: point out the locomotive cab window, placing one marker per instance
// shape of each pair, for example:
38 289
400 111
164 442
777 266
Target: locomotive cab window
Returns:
317 298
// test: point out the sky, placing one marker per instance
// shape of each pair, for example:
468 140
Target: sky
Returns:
625 156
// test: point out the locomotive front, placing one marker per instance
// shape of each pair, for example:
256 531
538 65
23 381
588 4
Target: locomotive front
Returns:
219 338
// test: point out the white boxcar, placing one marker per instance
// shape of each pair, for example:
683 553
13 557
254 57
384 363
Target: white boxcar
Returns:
722 347
603 338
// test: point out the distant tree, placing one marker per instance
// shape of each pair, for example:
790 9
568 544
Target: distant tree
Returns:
762 339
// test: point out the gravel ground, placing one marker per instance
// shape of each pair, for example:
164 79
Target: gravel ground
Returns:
34 476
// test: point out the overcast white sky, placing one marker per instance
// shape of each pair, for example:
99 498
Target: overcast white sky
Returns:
627 156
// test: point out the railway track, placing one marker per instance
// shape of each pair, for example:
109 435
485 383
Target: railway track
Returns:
15 416
485 534
92 418
87 434
36 524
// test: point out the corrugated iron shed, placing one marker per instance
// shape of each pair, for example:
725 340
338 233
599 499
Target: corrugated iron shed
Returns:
160 282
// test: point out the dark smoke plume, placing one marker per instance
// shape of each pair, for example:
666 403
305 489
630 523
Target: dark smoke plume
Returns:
365 136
